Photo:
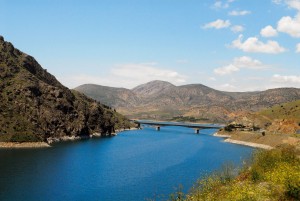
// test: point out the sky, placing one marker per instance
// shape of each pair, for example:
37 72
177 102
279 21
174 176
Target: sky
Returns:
229 45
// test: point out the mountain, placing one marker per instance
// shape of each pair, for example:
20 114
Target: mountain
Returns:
115 97
34 106
153 88
165 101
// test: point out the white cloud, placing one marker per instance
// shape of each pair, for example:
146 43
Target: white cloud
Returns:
146 71
128 76
239 13
218 24
227 87
293 4
290 25
222 4
252 44
277 1
290 79
238 63
212 79
237 28
226 69
268 31
298 48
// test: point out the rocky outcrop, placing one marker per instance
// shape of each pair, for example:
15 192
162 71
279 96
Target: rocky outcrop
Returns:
34 106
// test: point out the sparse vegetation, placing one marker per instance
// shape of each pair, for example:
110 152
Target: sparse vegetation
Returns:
269 175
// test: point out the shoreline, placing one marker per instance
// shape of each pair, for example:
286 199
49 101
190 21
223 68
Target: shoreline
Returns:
245 143
249 144
22 145
27 145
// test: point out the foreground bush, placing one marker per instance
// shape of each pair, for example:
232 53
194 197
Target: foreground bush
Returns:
269 175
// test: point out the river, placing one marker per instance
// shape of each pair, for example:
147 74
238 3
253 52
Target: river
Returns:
133 166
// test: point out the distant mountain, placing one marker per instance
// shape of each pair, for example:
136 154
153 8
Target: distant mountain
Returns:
153 88
115 97
35 106
163 100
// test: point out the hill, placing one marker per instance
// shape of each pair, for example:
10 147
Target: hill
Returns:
194 102
115 97
34 106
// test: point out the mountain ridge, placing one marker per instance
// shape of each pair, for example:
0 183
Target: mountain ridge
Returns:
156 99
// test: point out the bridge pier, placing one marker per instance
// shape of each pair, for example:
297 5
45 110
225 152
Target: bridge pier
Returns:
158 128
197 130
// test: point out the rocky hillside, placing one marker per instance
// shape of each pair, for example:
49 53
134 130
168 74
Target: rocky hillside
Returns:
35 106
162 100
279 119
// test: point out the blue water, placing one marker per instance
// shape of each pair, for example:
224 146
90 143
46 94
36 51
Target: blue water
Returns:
132 166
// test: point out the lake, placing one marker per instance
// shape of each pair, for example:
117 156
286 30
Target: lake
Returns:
133 166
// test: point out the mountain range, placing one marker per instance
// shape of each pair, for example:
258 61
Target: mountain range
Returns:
34 106
164 101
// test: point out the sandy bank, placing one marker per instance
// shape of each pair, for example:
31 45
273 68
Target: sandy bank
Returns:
218 135
251 144
12 145
255 139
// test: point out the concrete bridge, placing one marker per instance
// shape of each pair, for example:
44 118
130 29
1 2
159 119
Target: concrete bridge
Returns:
159 124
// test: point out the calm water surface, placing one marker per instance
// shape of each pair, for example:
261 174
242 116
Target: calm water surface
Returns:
132 166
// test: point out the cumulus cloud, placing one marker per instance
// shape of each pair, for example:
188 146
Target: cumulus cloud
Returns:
298 48
239 13
293 4
128 76
238 63
292 79
237 28
268 31
290 25
218 24
252 44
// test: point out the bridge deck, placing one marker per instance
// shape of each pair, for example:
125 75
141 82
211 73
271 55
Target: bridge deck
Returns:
199 126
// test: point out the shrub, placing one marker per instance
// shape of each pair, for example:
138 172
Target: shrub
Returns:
25 137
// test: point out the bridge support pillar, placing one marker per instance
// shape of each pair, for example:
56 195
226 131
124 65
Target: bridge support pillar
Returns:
158 128
197 130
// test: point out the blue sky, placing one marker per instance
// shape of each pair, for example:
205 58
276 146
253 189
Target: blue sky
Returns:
231 45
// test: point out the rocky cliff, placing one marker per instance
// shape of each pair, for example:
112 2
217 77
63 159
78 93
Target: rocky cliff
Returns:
35 106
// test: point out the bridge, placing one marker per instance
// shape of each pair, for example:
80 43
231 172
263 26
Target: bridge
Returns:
196 127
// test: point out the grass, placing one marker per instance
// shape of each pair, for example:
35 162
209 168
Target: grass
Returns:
286 110
269 175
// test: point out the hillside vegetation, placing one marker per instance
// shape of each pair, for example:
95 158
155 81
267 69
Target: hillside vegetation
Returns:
35 106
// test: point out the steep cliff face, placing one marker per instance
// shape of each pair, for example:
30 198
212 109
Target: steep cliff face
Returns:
35 106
